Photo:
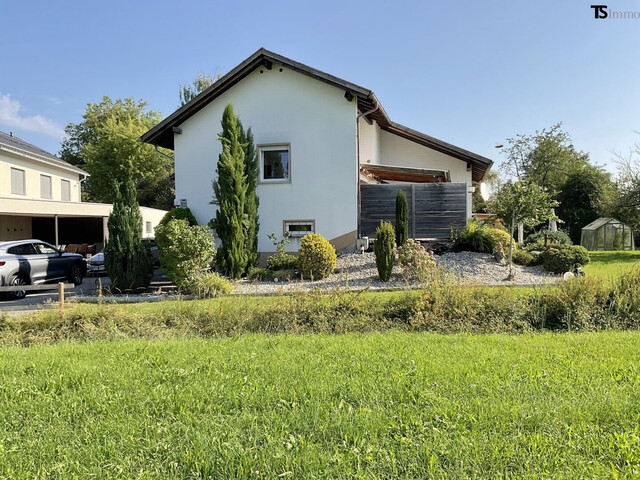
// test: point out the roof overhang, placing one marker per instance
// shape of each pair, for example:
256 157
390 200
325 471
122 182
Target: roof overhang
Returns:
369 107
60 164
406 174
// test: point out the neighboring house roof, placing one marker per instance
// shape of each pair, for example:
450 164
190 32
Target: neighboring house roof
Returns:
17 146
162 134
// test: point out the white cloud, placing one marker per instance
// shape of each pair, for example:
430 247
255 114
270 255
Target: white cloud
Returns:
10 116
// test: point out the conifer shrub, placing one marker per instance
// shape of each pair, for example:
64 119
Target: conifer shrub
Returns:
402 218
559 258
179 213
317 257
384 249
128 262
185 252
552 237
524 258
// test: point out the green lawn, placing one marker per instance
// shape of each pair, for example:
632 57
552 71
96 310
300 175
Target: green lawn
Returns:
393 405
611 264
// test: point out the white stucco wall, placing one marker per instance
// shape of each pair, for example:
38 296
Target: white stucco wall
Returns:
280 107
33 169
385 148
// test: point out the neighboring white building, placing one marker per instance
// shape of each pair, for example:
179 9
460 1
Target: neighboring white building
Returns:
318 138
40 198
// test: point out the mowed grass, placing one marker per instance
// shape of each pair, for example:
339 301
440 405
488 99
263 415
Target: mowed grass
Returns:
611 264
392 405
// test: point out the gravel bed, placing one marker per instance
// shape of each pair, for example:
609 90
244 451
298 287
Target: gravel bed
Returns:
358 271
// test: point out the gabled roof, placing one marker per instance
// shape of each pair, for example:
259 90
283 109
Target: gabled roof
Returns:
162 134
17 146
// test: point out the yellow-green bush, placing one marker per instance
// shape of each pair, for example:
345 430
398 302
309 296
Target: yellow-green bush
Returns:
317 257
501 237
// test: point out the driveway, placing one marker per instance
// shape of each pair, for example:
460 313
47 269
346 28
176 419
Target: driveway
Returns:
46 299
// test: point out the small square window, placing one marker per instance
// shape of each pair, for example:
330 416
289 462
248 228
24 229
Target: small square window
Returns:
299 228
275 163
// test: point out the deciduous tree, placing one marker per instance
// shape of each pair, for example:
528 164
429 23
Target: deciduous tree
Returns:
106 144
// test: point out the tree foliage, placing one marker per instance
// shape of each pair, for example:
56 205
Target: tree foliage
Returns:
522 202
106 144
252 202
201 83
128 262
385 250
402 218
230 191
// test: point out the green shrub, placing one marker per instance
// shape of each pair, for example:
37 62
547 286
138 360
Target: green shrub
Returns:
184 251
179 213
281 260
475 238
417 264
260 274
559 258
207 285
501 237
402 218
553 237
128 262
384 249
522 257
317 257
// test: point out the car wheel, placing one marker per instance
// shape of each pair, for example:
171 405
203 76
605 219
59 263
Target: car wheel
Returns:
15 281
76 275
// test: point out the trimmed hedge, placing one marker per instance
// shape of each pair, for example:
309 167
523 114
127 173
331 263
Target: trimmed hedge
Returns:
559 258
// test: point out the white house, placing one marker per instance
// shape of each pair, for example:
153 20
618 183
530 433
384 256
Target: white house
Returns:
319 139
40 198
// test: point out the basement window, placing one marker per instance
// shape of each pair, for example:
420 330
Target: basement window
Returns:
299 228
275 163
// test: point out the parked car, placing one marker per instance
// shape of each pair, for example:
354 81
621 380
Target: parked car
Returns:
95 264
33 262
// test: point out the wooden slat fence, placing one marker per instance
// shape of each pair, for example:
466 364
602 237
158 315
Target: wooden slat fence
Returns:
433 208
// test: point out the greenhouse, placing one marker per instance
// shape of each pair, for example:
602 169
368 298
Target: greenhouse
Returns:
607 234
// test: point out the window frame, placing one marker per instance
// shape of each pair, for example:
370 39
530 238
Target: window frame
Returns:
286 223
42 177
270 147
62 182
24 182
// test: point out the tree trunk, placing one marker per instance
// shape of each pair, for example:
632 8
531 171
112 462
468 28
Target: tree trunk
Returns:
513 222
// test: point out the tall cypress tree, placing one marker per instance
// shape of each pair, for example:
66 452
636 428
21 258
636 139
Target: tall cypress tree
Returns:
252 225
230 191
127 261
402 218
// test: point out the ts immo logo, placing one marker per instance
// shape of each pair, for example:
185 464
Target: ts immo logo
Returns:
600 11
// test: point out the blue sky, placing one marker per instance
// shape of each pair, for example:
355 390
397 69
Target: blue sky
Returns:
470 73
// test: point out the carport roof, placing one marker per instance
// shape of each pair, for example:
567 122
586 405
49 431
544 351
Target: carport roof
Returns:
162 134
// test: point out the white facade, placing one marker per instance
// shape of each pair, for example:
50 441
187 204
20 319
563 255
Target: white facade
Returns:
282 107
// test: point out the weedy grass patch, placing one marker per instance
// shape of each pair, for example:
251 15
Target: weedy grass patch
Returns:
377 405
